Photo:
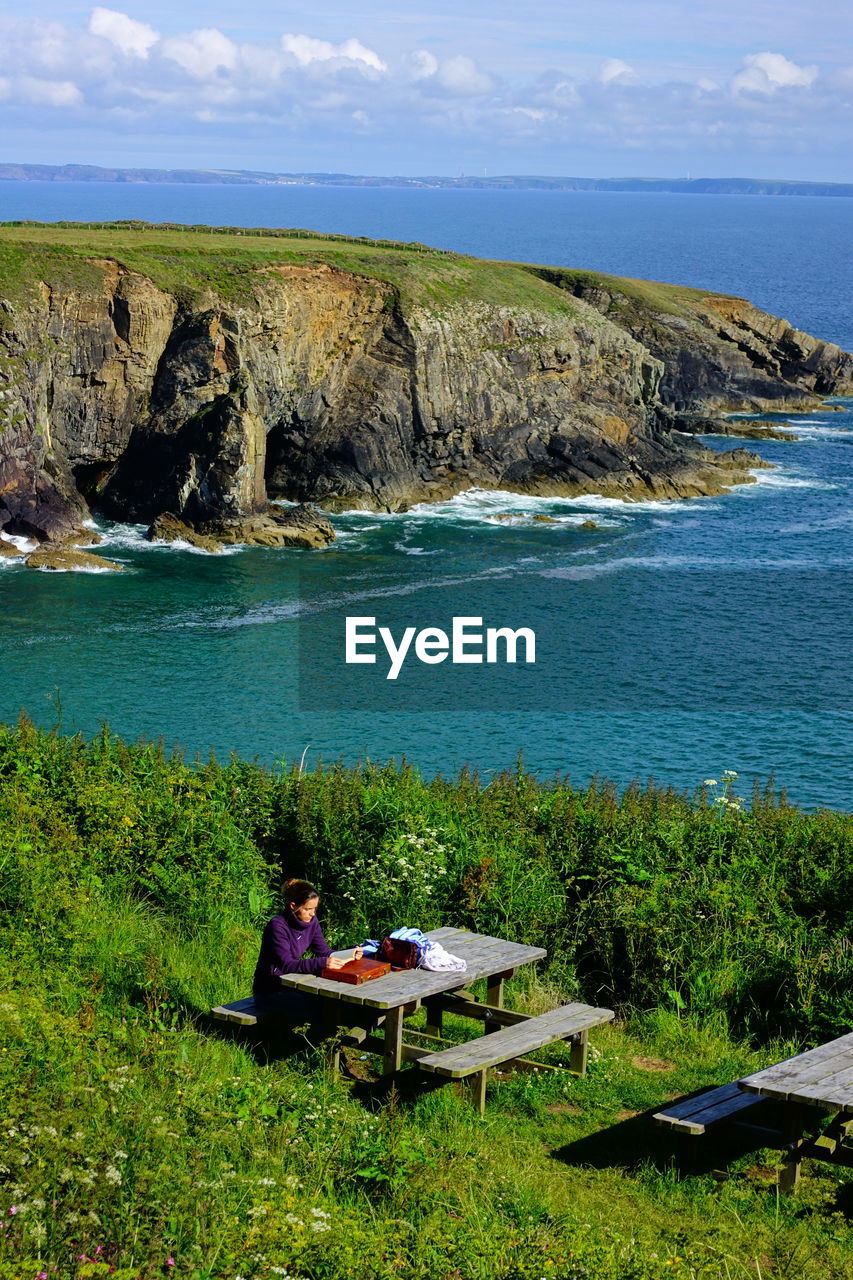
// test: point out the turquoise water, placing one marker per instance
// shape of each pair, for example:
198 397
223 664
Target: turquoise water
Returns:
675 639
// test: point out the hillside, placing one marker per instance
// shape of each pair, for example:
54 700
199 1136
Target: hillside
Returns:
141 1140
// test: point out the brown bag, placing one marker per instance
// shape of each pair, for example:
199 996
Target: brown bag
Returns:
399 953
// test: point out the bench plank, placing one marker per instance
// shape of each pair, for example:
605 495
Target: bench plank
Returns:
515 1041
244 1013
695 1115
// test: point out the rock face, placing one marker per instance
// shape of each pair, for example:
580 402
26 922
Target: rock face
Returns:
720 354
322 385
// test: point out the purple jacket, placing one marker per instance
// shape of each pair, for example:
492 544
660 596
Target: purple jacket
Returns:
283 948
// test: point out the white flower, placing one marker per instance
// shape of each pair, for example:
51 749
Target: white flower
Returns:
709 782
112 1175
729 773
266 1182
120 1155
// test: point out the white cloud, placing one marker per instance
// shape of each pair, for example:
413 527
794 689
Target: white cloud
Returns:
461 76
614 69
422 64
48 93
202 53
131 37
767 72
306 50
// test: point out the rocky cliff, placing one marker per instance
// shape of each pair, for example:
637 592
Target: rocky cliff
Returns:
176 375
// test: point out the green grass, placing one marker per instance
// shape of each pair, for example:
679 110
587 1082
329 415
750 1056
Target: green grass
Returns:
223 261
135 1134
644 296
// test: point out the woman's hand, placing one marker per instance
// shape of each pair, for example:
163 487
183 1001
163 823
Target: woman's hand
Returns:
358 953
335 962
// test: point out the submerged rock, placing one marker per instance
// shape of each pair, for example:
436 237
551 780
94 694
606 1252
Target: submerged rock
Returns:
752 430
301 526
65 559
168 528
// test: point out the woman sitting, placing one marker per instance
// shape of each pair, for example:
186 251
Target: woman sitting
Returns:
288 937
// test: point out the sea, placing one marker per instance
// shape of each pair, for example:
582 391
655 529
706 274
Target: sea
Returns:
674 640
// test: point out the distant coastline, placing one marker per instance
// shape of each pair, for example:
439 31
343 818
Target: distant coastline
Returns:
510 182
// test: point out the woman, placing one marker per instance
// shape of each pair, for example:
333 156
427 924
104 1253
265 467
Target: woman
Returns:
287 938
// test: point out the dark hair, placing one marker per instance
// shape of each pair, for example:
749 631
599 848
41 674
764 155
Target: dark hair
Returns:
299 892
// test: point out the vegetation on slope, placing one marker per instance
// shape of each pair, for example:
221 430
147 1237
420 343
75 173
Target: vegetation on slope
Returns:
222 260
139 1141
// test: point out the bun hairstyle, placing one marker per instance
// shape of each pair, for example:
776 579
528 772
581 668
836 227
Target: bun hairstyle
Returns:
297 892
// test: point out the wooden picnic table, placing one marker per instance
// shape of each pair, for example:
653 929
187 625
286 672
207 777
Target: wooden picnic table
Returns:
382 1003
817 1081
375 1010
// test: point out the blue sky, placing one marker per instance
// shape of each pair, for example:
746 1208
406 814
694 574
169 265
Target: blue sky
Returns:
747 88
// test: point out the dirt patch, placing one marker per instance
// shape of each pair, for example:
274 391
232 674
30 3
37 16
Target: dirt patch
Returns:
562 1109
643 1063
760 1173
626 1115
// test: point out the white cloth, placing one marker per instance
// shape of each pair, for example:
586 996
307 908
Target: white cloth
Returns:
435 958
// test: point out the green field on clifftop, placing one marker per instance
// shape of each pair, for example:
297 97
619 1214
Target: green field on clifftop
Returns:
221 260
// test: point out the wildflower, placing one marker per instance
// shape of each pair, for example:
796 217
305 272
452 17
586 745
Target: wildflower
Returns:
170 1262
710 782
120 1155
266 1182
112 1175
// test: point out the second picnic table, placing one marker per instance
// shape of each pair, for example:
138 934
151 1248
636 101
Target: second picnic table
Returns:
376 1010
819 1080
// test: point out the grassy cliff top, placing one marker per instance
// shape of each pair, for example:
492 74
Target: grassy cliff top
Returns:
221 260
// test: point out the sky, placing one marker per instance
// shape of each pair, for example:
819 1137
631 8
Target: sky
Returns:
743 88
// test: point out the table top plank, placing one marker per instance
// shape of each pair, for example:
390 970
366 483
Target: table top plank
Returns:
820 1076
483 955
836 1089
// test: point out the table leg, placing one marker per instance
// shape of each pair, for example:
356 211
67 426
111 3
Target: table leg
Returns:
434 1017
578 1053
330 1036
794 1124
476 1084
393 1055
495 995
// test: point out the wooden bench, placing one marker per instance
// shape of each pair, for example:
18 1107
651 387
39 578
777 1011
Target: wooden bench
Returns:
243 1013
691 1118
472 1061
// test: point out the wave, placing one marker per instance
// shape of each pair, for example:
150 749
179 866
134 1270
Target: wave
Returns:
781 479
131 537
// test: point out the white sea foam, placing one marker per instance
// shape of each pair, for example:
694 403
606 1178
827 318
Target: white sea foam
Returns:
413 551
131 537
17 540
783 479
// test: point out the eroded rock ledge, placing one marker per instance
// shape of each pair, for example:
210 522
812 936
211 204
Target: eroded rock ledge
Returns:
323 385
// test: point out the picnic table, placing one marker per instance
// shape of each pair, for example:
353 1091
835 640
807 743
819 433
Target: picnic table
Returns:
374 1012
809 1086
